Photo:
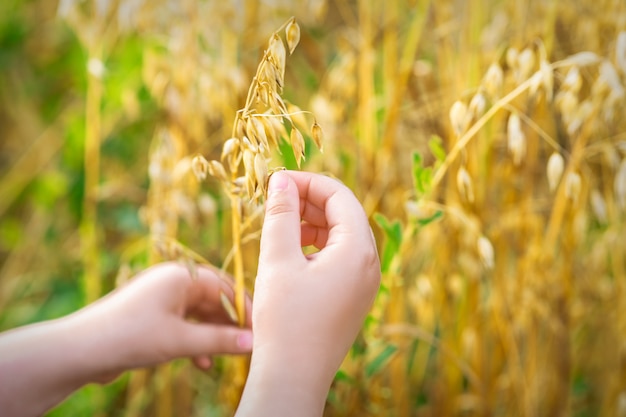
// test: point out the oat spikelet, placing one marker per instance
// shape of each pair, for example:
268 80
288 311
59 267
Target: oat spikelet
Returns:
292 32
318 136
458 117
464 184
200 167
297 144
486 252
516 139
493 80
555 170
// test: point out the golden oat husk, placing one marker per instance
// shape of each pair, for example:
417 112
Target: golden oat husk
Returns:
318 136
297 144
292 32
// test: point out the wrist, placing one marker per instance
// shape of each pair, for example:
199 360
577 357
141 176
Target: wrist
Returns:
279 388
97 353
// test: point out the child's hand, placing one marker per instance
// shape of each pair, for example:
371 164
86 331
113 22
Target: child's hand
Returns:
307 309
148 321
142 324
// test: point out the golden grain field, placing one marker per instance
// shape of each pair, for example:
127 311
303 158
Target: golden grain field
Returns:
486 140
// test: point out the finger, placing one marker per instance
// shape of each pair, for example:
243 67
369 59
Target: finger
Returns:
313 235
312 214
203 362
204 297
196 339
342 211
280 236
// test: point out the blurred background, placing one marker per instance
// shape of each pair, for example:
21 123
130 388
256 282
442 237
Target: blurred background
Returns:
486 140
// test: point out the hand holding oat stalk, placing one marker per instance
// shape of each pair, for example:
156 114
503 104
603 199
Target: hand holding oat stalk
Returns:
244 168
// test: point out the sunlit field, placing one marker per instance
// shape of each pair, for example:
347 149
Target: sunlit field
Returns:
485 139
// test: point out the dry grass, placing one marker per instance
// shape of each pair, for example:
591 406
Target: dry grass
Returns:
485 139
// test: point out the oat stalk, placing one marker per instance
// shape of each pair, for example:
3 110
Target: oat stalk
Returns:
244 166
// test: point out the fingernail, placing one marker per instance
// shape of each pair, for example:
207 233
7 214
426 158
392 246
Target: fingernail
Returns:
244 340
278 181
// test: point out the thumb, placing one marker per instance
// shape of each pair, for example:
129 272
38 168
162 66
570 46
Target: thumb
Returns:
280 236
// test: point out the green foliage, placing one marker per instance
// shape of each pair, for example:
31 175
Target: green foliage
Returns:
380 360
435 144
393 239
421 175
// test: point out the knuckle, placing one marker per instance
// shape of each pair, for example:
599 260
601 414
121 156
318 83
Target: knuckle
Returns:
278 206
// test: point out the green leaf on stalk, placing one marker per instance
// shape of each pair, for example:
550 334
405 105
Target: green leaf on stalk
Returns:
379 361
430 219
393 238
343 376
436 147
422 176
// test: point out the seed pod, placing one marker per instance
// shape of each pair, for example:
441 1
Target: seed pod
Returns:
248 162
573 185
238 184
608 74
567 103
278 105
547 78
200 167
572 81
278 125
230 153
217 170
270 131
477 106
249 145
260 171
269 76
511 57
262 93
239 127
231 146
493 81
259 130
292 33
458 117
555 170
318 136
485 251
464 184
526 63
297 144
278 56
516 139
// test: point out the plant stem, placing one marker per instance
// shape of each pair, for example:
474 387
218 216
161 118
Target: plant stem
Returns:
89 223
238 260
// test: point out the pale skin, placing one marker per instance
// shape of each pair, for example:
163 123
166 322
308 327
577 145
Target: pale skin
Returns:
306 313
139 325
